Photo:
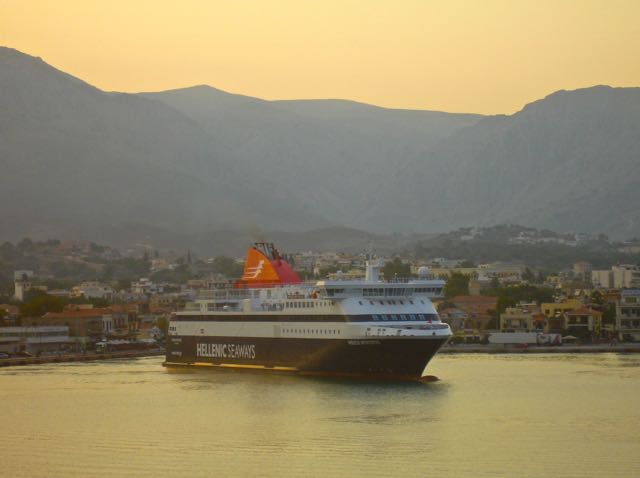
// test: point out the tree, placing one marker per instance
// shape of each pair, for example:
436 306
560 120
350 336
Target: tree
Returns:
163 324
503 302
528 276
396 268
41 304
227 266
457 284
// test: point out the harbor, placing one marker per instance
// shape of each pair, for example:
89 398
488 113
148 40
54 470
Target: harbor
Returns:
564 415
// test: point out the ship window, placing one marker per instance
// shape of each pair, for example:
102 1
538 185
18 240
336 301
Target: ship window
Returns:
412 316
401 303
422 301
360 302
381 302
411 302
403 317
370 302
394 317
375 317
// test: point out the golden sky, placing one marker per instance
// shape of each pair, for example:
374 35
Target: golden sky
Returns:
485 56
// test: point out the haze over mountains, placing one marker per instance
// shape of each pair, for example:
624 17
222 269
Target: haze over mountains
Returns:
180 164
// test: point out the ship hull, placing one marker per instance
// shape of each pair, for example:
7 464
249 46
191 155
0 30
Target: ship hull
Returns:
380 357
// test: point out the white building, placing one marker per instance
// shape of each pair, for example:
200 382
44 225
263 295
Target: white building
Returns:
145 286
503 271
624 276
602 279
628 315
33 339
92 290
22 275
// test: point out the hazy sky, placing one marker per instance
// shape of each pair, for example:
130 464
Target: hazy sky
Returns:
489 56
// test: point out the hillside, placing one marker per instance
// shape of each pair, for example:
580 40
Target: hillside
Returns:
202 165
569 162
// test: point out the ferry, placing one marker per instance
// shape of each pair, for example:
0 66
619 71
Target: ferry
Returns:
271 320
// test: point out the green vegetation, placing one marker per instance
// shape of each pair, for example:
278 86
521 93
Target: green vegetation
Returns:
40 304
597 302
457 284
227 266
510 296
179 275
163 324
493 244
396 268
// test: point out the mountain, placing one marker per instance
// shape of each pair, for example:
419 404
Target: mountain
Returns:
76 160
322 154
199 164
569 162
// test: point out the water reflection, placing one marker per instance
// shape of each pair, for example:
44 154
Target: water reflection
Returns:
490 415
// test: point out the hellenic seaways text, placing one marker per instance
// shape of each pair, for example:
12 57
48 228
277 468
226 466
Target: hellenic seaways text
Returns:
234 351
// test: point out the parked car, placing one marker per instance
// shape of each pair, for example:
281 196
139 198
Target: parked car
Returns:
4 355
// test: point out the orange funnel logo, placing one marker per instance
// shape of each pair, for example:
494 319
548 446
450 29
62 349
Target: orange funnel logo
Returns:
264 267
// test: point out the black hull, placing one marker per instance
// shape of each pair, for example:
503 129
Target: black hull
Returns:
394 358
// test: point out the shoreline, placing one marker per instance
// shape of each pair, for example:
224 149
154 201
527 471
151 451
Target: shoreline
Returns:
540 349
21 361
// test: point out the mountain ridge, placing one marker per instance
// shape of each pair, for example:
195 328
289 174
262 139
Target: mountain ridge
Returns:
78 160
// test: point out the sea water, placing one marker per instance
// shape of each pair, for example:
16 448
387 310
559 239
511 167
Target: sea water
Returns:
507 415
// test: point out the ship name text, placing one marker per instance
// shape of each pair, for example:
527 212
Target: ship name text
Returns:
235 351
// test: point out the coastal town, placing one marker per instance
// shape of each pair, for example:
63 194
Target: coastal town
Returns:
115 308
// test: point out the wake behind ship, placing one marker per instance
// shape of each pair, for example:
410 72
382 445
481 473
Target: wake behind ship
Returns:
273 321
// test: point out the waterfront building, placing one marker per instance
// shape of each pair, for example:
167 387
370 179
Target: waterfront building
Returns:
87 323
522 318
583 322
480 312
555 309
628 315
84 321
10 313
455 317
34 339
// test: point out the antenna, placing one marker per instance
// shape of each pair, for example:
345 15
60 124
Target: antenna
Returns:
370 250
